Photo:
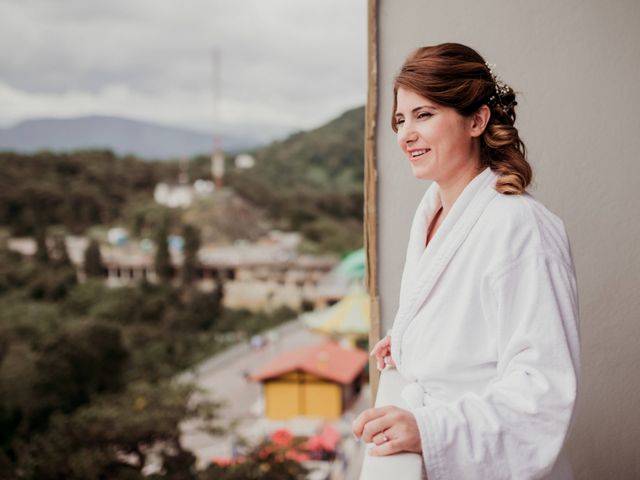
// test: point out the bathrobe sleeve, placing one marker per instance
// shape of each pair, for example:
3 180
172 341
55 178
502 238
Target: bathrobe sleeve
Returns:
516 427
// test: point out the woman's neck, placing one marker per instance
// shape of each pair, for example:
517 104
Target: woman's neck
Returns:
452 188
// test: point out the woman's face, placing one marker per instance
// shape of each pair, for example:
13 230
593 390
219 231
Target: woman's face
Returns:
439 143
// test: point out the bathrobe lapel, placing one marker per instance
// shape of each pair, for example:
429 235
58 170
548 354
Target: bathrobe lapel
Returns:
423 266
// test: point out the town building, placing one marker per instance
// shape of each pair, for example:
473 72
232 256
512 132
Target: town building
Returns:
317 381
257 276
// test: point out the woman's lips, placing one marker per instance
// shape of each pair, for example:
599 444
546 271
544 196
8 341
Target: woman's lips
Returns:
416 155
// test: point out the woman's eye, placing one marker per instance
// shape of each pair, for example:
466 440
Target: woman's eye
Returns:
424 115
399 121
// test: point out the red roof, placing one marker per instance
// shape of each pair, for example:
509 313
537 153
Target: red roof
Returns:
327 360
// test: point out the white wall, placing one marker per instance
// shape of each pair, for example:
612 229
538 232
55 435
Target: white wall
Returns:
577 66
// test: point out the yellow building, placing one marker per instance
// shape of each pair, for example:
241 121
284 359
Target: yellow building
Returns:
317 381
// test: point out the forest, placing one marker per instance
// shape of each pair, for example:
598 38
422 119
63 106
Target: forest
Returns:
311 182
87 372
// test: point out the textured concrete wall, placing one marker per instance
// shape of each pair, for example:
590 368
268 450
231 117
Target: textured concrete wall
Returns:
577 66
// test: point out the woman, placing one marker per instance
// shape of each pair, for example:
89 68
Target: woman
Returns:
486 332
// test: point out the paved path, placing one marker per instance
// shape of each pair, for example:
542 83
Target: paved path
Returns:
222 378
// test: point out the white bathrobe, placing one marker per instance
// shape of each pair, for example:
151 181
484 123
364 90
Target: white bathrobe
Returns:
487 335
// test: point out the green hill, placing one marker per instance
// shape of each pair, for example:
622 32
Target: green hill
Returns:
329 157
312 182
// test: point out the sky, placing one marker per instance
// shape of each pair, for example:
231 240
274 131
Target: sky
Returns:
284 65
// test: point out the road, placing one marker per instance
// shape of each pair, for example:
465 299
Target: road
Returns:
222 378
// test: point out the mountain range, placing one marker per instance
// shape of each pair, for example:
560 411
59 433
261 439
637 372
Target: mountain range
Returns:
123 136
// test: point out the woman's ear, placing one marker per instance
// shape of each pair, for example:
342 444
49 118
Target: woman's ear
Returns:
479 120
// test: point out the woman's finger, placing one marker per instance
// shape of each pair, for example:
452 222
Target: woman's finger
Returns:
380 351
387 448
381 345
380 438
383 360
365 417
376 426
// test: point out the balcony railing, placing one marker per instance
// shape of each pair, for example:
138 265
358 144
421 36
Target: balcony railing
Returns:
405 466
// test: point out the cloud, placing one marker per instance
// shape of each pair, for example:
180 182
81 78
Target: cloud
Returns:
286 62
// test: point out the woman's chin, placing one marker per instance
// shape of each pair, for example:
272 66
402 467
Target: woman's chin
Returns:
421 173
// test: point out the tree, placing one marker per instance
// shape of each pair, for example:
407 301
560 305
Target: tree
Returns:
52 283
60 253
162 258
137 223
202 310
80 362
93 266
114 435
191 237
42 253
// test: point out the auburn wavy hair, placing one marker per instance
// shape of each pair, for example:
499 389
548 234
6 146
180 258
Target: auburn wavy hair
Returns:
457 76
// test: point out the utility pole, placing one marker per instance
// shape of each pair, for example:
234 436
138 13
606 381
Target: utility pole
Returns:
217 157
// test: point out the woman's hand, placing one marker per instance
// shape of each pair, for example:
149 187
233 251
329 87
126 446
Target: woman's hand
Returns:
392 429
382 352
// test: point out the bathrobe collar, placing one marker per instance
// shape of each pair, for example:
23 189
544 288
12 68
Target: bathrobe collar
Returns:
423 266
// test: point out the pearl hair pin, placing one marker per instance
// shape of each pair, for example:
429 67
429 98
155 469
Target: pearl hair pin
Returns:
501 88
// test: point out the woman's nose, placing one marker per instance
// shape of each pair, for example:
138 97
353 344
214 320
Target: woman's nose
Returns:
406 135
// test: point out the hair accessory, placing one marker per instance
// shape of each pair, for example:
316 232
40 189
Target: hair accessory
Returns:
502 90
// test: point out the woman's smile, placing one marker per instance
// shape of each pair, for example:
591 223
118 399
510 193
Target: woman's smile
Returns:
415 155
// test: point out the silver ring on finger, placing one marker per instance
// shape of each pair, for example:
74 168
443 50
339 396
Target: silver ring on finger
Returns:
384 437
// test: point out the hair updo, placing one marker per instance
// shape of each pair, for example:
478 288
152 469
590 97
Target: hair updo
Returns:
456 76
